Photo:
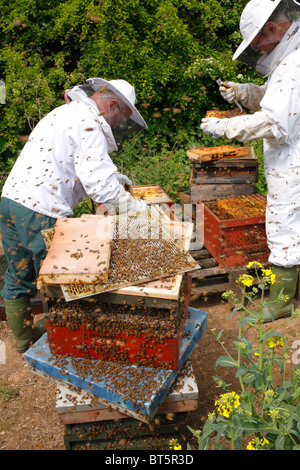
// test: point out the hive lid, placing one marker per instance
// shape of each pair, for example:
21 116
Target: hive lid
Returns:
205 154
79 251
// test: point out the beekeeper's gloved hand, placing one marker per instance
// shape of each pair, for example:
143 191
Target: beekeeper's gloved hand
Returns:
230 91
125 182
214 127
125 203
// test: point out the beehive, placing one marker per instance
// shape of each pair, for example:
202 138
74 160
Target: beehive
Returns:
75 405
219 172
136 391
236 241
243 206
127 434
151 194
127 334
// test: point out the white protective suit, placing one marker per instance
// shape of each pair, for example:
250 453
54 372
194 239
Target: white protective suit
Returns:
67 158
278 123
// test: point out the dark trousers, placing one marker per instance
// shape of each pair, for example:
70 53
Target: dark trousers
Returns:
23 246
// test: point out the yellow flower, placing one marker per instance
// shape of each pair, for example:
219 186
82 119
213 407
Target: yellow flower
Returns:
174 444
254 264
257 444
273 414
226 403
245 279
269 395
268 276
275 342
228 294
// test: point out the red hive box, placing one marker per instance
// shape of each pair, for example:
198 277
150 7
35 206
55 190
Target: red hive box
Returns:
235 241
149 337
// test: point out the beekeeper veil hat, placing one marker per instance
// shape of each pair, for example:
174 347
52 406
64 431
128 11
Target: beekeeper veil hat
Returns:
253 19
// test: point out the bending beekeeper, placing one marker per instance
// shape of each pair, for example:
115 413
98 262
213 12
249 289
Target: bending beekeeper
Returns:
65 159
270 29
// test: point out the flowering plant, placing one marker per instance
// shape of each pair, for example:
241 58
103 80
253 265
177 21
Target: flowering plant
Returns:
263 414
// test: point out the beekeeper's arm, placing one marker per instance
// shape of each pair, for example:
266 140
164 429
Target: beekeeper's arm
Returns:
243 128
248 94
99 176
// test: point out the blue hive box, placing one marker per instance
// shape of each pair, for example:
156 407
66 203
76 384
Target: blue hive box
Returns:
134 390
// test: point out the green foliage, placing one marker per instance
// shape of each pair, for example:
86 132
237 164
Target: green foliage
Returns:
171 51
7 392
265 413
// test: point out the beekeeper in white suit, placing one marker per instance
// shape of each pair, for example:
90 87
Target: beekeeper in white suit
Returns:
271 33
65 159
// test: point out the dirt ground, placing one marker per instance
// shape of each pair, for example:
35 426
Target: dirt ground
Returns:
29 420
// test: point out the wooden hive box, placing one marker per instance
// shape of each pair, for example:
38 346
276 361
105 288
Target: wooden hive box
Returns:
74 405
136 391
118 333
152 194
222 171
235 241
126 434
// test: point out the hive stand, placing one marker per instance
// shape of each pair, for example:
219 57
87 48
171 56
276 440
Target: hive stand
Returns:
212 278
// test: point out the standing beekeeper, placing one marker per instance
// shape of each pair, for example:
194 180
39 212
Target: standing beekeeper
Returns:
65 159
271 33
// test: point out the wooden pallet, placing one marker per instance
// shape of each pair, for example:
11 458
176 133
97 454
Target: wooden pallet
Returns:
212 278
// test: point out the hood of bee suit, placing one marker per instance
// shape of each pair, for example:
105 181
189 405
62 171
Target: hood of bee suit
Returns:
78 94
123 90
253 19
291 40
254 16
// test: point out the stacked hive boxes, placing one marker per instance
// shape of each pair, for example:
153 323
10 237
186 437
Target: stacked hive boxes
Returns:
223 179
126 347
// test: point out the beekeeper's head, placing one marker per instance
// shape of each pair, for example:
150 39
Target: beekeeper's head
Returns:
264 25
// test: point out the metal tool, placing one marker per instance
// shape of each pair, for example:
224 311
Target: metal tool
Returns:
219 81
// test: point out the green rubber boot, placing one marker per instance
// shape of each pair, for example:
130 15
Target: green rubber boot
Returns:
20 320
286 279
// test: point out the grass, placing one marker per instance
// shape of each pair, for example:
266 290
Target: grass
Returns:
7 392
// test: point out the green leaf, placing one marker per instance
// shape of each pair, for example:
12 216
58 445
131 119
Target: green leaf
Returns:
241 371
220 334
225 361
279 443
